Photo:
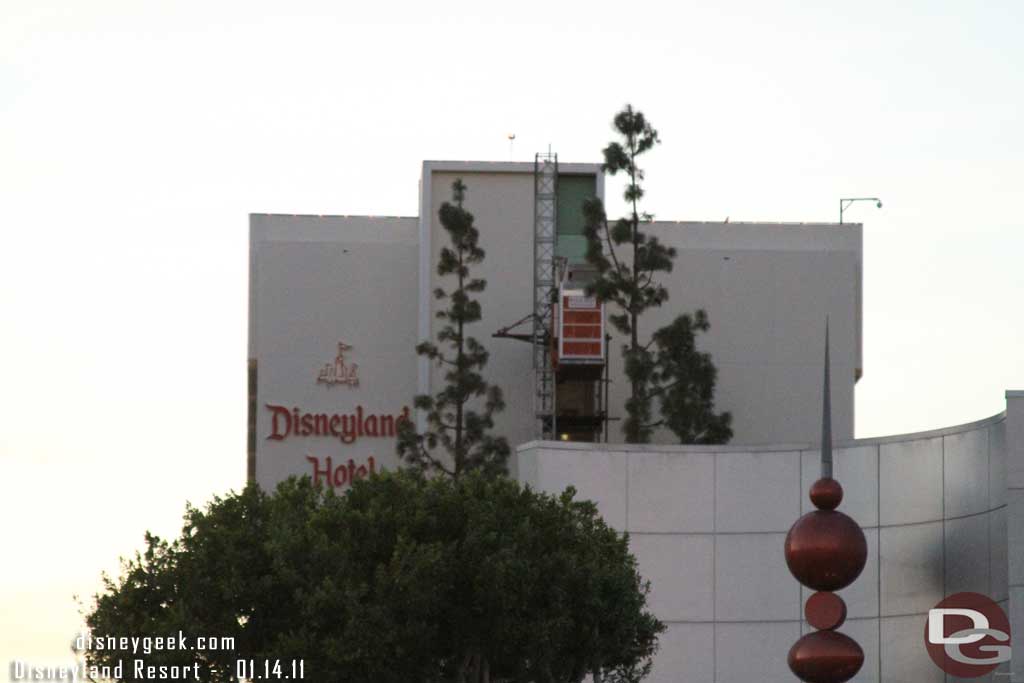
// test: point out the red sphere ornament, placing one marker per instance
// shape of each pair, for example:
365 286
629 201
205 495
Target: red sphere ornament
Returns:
825 657
826 494
825 611
825 549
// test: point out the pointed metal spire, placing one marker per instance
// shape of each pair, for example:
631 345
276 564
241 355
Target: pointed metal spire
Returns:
826 417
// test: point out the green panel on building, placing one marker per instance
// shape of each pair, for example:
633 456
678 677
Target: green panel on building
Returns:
573 190
571 247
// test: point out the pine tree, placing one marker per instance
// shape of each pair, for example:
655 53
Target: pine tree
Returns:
628 261
453 422
686 379
629 283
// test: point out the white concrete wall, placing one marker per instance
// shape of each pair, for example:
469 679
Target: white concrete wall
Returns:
767 289
707 525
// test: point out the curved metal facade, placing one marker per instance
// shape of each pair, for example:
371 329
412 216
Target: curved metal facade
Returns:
707 525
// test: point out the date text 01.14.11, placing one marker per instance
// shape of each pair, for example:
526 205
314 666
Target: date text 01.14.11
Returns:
270 669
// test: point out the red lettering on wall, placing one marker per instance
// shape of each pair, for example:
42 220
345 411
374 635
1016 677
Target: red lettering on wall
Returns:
348 428
287 422
317 472
320 425
342 475
281 423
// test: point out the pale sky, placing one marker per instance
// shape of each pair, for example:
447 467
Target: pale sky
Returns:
136 137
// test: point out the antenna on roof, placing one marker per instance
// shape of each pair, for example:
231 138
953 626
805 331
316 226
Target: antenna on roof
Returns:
511 142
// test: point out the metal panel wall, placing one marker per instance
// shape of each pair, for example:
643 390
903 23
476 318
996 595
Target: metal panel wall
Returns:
707 525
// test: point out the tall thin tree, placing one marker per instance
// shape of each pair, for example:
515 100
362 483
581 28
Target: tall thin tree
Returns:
627 261
459 417
666 366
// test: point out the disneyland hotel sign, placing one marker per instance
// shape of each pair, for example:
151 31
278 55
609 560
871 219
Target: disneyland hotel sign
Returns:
288 422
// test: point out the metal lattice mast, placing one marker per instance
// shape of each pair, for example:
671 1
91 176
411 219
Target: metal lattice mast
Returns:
545 215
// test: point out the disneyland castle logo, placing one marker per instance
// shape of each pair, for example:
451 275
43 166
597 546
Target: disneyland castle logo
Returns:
339 372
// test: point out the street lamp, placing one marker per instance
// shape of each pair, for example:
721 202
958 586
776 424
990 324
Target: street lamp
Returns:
844 204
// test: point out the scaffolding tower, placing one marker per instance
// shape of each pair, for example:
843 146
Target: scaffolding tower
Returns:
545 219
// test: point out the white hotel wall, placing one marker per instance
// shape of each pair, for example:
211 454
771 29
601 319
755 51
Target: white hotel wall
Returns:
707 525
767 289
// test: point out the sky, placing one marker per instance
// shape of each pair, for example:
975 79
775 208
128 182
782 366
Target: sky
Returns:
136 137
